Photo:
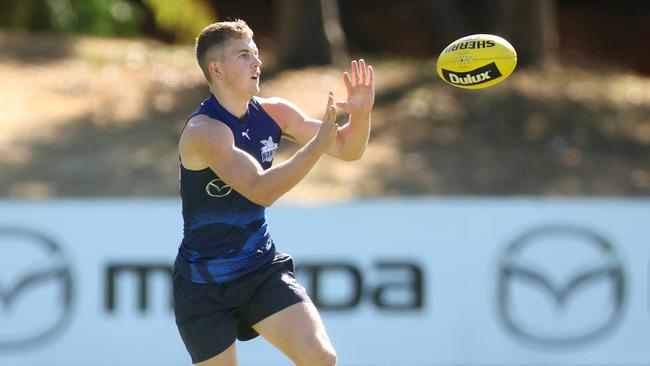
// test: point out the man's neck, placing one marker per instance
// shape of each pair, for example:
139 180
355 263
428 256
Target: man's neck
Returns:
233 103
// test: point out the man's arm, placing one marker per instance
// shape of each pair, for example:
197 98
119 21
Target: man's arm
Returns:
213 143
351 138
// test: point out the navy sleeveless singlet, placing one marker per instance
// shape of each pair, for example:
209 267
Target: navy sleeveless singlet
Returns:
225 235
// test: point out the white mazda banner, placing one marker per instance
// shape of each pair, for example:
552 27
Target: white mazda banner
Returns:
410 282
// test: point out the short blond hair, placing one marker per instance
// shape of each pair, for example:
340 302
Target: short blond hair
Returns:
214 36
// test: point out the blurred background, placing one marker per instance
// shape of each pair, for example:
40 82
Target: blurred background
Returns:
103 87
94 95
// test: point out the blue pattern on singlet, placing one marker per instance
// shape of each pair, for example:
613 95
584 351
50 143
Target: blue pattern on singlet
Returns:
225 235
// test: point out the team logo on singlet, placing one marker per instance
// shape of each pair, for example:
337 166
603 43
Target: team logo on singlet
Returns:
268 149
217 188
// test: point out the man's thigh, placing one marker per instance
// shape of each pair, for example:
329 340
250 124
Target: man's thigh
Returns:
277 290
206 324
297 331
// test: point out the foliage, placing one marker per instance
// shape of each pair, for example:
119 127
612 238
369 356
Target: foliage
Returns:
182 19
96 17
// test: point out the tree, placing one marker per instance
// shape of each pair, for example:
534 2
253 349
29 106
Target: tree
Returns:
309 32
532 28
182 20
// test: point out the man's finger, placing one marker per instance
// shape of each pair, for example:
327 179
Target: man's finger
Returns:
371 76
342 105
362 75
330 107
347 81
330 100
355 72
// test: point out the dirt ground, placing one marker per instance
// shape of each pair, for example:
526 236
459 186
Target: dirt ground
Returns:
84 117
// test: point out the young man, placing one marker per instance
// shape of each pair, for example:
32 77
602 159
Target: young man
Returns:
229 281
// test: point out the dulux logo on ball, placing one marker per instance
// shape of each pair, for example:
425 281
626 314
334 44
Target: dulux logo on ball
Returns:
36 288
560 286
477 76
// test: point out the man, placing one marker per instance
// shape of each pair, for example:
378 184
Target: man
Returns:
229 281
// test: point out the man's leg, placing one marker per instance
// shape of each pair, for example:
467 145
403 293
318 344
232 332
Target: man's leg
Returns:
298 332
225 358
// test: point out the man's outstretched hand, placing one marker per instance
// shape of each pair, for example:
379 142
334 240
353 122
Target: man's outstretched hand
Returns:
361 89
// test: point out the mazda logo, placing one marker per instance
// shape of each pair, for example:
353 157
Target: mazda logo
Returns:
35 288
217 188
560 286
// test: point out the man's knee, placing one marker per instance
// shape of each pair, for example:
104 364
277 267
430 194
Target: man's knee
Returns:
325 356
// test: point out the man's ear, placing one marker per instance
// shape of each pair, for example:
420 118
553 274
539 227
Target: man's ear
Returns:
215 68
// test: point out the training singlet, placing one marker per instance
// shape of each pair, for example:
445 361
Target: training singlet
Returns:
225 235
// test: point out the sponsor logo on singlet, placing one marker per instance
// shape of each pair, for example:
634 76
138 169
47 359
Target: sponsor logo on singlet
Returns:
217 188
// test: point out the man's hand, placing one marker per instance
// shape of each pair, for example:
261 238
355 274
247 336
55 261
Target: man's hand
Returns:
361 89
327 130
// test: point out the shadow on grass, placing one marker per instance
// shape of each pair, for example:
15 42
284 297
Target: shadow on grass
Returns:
24 47
499 143
507 144
86 159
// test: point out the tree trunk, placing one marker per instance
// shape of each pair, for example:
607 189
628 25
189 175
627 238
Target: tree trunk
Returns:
532 28
309 32
334 32
444 19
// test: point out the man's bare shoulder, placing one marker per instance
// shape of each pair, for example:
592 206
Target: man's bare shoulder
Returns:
201 125
282 111
202 121
203 136
272 101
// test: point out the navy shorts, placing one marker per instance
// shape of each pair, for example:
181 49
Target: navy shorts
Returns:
211 316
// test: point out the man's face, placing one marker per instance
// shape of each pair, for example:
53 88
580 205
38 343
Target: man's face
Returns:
240 66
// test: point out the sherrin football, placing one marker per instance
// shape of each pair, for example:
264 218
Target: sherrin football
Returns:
477 61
